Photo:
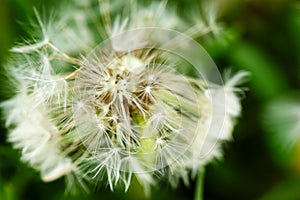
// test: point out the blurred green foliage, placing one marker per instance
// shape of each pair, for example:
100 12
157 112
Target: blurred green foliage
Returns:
261 37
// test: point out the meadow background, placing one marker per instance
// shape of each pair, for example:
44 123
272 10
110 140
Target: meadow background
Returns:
262 37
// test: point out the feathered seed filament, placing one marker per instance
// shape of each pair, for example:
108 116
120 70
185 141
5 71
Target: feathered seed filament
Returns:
126 103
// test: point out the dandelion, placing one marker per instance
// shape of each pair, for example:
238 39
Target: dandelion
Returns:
120 109
281 118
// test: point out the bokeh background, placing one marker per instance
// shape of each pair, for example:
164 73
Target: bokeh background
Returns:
259 36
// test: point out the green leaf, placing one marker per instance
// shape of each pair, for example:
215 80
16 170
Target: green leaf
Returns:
267 81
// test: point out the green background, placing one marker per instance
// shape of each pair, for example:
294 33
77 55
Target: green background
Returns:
260 36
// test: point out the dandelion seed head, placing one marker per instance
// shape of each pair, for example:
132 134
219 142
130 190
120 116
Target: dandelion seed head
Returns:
116 108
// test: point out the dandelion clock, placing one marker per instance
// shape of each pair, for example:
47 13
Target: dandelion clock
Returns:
115 90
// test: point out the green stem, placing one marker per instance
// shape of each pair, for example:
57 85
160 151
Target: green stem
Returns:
200 184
